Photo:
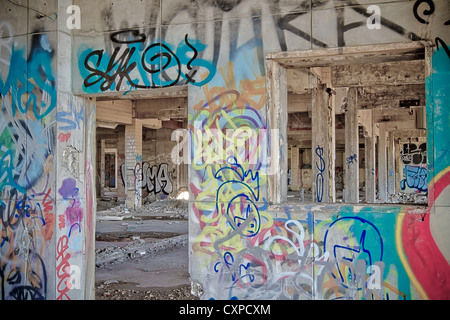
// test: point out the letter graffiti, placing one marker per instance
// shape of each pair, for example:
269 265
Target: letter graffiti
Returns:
155 178
63 268
319 177
414 154
415 178
159 65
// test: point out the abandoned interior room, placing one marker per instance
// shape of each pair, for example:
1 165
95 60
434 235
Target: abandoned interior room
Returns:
224 149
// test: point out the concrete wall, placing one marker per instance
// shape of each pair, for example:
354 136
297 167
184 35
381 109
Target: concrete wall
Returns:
240 246
47 158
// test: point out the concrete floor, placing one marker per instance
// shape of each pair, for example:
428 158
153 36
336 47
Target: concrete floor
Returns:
143 252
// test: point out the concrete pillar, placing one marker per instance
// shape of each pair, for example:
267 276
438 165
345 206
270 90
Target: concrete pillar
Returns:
370 168
102 167
323 146
295 168
391 164
277 167
382 164
351 148
133 164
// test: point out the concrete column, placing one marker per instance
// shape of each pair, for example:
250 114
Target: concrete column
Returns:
277 167
351 148
382 164
370 168
102 167
323 146
391 164
295 168
133 164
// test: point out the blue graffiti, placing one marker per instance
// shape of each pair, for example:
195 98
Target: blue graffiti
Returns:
72 118
319 177
364 241
237 275
241 210
158 66
350 160
25 77
7 172
416 178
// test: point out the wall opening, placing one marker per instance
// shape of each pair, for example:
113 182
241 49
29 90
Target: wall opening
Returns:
110 168
356 128
142 224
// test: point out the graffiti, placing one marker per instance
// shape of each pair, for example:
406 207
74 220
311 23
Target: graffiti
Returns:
159 66
319 177
413 153
358 244
22 271
7 171
350 160
440 42
154 178
157 178
351 261
74 212
415 178
65 117
62 269
25 79
64 137
236 200
426 12
27 143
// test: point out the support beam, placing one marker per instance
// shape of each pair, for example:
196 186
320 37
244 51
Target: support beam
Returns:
370 168
391 164
277 167
365 119
102 167
323 145
351 148
133 164
382 164
295 168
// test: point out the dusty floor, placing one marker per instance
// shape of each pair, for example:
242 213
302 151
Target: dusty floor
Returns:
142 255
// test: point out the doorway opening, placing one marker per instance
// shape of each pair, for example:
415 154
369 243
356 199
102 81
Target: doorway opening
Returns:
356 123
142 228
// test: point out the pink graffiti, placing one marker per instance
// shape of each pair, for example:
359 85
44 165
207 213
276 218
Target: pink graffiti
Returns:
64 137
74 212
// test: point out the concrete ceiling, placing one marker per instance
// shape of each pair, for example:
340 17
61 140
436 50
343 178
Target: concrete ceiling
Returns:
394 91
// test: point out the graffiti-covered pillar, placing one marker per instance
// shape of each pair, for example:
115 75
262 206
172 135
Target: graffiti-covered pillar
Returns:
74 186
351 148
323 145
133 164
277 168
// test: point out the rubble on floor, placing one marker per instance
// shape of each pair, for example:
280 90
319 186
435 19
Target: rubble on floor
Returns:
116 290
142 254
168 208
136 249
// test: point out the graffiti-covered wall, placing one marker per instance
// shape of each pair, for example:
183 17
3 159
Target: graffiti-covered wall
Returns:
242 247
46 204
